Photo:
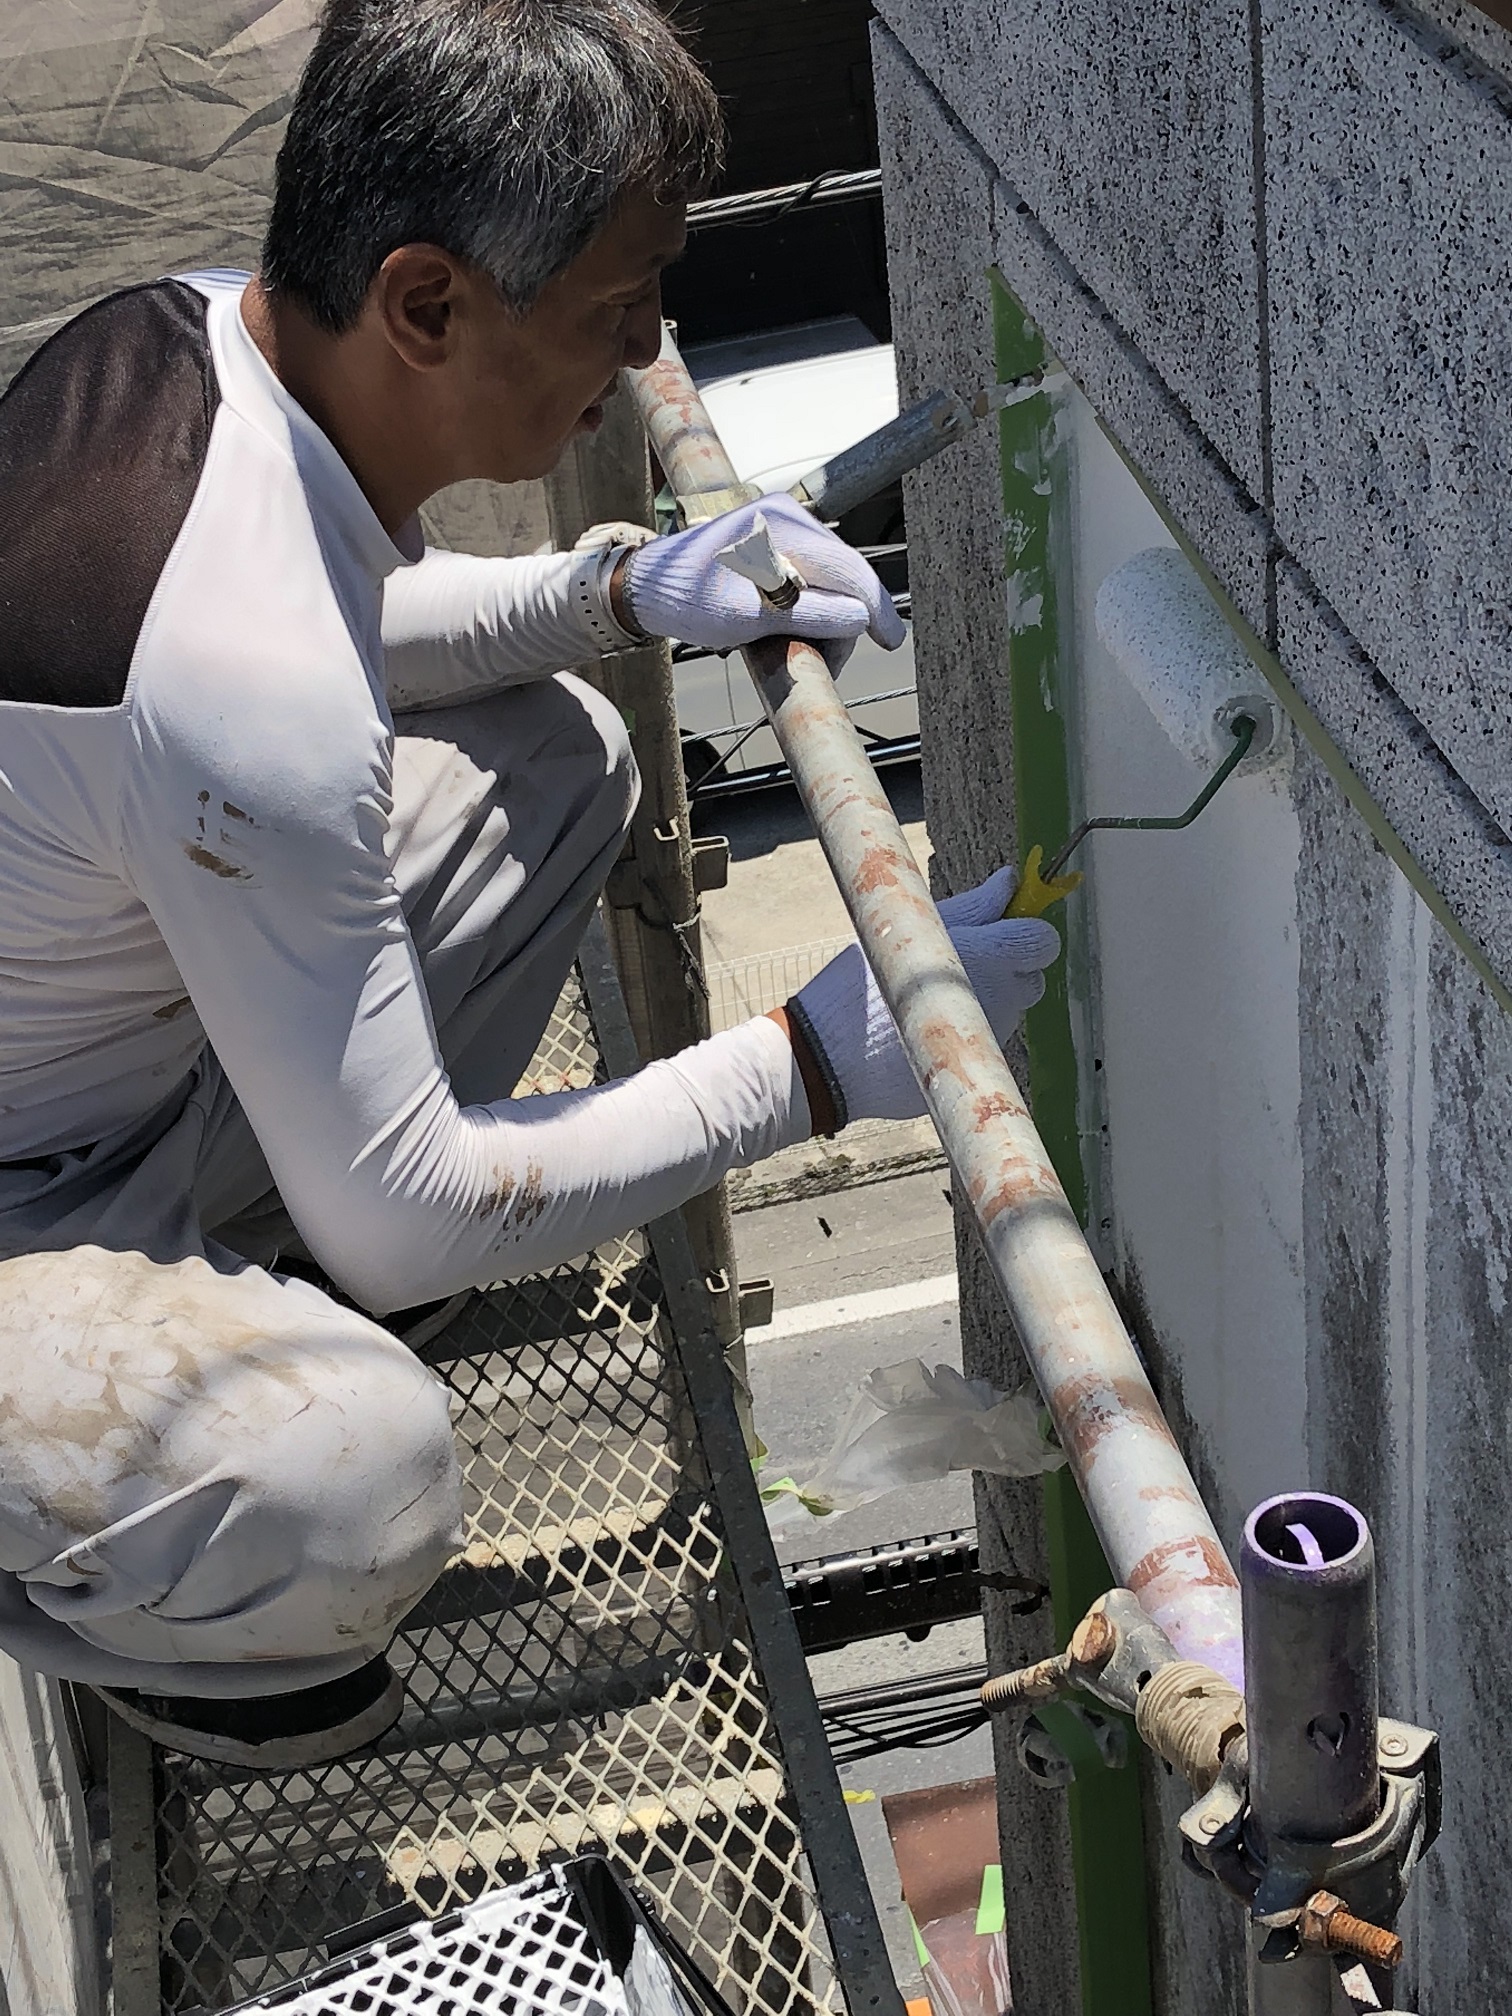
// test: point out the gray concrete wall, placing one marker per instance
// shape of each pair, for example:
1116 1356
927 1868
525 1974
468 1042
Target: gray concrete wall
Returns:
1271 244
49 1962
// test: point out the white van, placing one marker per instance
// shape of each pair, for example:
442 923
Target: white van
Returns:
784 402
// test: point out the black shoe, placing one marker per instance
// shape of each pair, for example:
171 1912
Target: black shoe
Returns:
271 1732
424 1323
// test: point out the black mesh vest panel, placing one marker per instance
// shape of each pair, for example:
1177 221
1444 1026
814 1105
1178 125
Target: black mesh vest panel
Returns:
103 435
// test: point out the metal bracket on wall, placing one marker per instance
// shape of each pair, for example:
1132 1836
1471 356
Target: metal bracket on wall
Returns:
757 1297
1269 1823
626 887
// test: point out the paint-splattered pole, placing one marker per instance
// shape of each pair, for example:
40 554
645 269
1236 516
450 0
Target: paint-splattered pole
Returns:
1153 1525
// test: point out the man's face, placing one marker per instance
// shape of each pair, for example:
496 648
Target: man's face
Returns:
527 385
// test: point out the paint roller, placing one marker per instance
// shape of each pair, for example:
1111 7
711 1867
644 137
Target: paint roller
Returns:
1168 637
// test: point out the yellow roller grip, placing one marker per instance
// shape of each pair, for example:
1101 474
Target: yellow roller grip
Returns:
1034 896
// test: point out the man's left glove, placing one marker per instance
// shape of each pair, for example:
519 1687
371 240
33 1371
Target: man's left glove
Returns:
678 587
849 1027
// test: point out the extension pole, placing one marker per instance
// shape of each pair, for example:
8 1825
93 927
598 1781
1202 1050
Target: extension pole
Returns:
1307 1568
1152 1523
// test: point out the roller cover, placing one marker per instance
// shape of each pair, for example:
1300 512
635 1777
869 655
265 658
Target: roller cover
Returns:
1169 638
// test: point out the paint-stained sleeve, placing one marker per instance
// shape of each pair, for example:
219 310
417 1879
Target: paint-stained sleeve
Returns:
256 838
455 625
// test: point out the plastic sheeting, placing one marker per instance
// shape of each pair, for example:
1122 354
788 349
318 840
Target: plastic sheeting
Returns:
136 138
911 1424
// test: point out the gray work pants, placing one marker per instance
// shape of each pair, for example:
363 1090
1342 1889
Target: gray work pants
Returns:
214 1480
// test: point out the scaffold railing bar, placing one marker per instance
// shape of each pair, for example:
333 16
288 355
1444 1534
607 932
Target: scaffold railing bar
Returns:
1155 1530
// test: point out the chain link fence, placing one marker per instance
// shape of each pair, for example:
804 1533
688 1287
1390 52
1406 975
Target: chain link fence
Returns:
741 988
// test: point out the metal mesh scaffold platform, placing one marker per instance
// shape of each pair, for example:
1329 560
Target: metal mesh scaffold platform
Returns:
610 1663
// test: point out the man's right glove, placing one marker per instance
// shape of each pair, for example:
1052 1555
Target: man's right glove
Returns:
851 1030
678 586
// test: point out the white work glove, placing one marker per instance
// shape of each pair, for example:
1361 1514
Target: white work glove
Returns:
849 1025
678 587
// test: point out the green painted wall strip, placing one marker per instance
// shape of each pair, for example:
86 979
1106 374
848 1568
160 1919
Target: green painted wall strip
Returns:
992 1913
1107 1840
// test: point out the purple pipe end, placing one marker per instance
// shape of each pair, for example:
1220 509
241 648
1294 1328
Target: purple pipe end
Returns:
1305 1533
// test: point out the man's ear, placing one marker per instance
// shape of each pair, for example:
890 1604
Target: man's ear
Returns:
415 295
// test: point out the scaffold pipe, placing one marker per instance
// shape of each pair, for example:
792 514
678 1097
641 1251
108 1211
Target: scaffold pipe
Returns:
1149 1516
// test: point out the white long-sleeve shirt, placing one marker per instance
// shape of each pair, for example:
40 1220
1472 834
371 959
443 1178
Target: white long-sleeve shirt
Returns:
204 633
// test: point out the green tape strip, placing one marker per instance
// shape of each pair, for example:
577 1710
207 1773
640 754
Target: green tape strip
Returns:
921 1951
992 1915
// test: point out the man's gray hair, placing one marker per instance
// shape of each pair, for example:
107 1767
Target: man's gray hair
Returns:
504 131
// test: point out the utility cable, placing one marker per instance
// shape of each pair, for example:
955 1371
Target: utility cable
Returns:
922 1714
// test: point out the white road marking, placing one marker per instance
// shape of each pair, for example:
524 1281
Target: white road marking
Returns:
845 1309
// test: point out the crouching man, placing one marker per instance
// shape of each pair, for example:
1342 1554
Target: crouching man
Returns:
300 825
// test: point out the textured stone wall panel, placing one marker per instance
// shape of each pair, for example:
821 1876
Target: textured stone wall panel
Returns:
1443 824
1389 191
1456 1594
1137 407
1389 179
939 201
1196 1932
1344 899
1128 130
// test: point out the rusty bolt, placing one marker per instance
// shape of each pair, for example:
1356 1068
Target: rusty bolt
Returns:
1041 1682
1327 1924
1093 1642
